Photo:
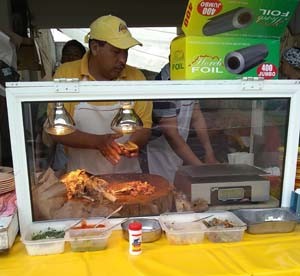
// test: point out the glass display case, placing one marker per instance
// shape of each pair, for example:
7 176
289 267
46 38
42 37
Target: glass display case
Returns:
251 126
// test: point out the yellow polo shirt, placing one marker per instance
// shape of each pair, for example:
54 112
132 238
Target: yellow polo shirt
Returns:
79 69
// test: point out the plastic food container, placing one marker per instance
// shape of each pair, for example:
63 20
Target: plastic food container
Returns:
89 239
181 229
45 246
93 243
271 220
224 227
151 230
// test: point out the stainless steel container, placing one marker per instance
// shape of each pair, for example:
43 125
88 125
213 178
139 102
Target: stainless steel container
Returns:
271 220
151 230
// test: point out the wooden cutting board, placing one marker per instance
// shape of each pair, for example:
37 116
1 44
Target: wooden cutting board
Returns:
162 187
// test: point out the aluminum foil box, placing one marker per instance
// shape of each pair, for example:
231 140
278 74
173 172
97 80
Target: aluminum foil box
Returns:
256 18
210 58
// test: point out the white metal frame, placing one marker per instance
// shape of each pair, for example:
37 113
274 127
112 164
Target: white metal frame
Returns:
70 90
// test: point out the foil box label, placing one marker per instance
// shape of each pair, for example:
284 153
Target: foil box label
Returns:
196 57
249 18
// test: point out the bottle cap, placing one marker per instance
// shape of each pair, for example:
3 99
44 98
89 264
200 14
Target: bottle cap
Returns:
135 226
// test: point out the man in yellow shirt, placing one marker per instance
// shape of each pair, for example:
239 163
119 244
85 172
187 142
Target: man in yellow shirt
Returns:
92 146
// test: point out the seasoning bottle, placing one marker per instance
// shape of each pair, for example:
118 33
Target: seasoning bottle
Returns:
135 238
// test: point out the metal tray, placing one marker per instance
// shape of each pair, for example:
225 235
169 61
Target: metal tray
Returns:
215 170
271 220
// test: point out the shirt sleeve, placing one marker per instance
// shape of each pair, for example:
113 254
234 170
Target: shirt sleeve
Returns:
144 110
163 109
59 72
68 70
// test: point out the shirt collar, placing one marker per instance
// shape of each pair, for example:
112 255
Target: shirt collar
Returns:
84 69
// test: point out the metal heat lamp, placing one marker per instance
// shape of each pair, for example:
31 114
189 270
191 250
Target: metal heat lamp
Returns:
126 120
59 121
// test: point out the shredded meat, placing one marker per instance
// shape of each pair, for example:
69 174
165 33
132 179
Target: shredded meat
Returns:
80 185
133 188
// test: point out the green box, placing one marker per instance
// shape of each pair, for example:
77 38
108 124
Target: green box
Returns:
209 58
249 18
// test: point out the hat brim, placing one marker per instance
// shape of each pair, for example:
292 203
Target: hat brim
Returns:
124 42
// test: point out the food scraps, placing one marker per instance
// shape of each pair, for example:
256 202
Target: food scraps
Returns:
218 222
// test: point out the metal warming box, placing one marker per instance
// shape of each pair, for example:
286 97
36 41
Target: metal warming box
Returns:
223 183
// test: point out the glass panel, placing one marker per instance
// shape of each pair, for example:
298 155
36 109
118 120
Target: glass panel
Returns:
201 154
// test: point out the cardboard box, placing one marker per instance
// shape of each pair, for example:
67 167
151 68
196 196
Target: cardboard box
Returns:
208 58
256 18
9 227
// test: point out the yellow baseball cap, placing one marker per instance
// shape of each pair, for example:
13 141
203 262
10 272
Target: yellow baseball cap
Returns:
113 30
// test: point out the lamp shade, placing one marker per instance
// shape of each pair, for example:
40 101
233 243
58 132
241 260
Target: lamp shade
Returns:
59 121
126 120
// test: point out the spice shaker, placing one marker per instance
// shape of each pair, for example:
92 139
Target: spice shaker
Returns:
135 238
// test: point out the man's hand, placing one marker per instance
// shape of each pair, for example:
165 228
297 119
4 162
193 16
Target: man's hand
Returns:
105 143
210 159
109 148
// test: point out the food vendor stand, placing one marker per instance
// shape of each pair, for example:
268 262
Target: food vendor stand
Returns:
268 254
47 199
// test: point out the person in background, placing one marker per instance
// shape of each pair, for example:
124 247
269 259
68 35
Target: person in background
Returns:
93 146
72 50
290 63
9 42
168 148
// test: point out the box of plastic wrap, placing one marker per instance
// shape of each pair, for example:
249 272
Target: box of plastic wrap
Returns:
256 18
211 58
